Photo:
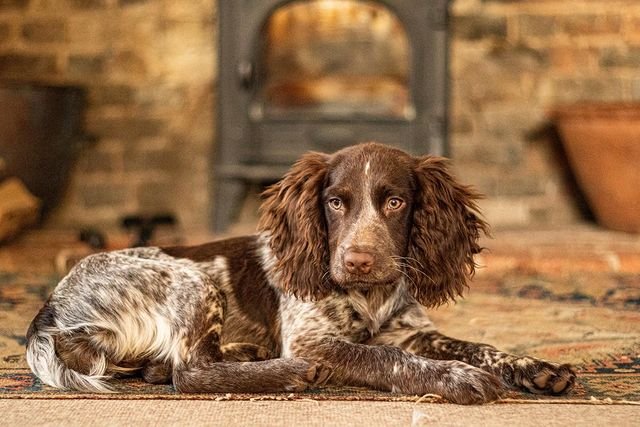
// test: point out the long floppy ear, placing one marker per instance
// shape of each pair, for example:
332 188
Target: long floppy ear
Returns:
444 236
292 217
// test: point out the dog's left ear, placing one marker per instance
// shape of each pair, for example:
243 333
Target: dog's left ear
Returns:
444 236
292 218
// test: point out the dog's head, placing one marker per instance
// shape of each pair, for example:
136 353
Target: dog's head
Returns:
370 215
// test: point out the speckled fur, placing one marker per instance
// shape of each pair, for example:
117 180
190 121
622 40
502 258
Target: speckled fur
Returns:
286 300
145 311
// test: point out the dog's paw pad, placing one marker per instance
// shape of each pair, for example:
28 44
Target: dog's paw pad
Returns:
323 373
561 385
540 377
318 374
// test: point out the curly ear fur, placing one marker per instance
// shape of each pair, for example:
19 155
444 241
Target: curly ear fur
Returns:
293 218
444 236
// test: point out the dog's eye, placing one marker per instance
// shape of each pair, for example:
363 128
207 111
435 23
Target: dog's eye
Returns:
335 203
394 203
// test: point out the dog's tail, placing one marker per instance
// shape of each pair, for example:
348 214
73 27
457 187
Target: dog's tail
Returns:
45 363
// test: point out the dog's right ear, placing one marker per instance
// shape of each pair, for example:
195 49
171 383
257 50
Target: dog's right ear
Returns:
292 218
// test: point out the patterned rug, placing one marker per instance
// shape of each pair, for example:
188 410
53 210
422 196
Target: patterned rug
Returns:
592 321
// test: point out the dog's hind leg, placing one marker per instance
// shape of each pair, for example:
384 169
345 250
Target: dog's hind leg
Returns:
206 372
157 373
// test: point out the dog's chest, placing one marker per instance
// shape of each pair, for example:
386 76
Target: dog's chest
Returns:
374 308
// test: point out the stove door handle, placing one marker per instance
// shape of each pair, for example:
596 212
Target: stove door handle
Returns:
246 74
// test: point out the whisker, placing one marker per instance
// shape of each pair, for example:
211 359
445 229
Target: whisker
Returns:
418 271
325 275
404 273
406 258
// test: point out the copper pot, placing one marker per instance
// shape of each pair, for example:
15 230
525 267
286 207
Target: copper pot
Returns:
602 141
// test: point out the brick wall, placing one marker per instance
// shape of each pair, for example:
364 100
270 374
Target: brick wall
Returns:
149 70
149 67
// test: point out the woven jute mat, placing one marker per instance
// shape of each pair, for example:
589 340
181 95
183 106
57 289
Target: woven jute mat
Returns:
311 414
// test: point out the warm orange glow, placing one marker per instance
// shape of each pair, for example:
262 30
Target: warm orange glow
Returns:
336 57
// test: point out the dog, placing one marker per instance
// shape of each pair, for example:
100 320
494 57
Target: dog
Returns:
352 250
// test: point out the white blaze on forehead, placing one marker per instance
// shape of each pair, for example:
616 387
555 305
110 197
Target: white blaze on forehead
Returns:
368 208
368 214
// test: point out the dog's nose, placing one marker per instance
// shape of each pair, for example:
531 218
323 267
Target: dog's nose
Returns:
358 262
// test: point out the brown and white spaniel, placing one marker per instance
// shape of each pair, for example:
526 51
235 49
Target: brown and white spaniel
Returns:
352 250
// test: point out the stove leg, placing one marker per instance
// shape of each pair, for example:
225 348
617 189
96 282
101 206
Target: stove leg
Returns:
229 194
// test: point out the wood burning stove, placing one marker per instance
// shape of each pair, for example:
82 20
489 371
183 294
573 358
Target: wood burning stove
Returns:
320 75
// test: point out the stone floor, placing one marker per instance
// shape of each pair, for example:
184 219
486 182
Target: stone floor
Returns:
578 248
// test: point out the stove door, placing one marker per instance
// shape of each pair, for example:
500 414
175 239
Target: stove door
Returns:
324 74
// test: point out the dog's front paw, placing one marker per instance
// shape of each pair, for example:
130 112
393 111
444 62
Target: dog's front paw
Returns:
309 374
467 385
541 377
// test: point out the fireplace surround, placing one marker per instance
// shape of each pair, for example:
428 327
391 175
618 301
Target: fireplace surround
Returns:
321 75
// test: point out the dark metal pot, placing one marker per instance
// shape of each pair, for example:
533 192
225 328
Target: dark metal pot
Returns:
39 136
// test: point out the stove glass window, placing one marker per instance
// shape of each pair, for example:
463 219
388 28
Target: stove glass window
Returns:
338 59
